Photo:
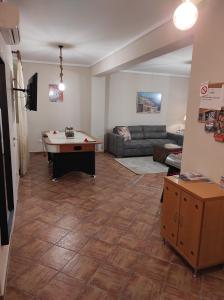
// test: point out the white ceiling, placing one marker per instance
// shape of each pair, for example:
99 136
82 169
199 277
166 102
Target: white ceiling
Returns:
174 63
92 28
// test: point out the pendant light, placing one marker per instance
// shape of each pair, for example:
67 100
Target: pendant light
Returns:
61 85
185 15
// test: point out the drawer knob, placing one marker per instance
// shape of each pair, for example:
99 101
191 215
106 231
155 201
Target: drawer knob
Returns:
172 234
192 253
77 148
167 188
196 206
181 243
176 193
185 199
164 226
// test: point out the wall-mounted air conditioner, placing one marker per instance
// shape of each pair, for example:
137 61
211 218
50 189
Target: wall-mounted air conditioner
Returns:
9 22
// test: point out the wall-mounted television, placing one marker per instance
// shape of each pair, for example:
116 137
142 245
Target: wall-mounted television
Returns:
31 100
31 92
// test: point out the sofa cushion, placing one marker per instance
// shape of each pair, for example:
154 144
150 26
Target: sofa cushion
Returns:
154 131
137 144
155 135
136 132
162 141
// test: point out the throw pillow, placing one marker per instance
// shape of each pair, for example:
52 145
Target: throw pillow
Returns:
124 131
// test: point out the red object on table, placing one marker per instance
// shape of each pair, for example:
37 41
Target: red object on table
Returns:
86 140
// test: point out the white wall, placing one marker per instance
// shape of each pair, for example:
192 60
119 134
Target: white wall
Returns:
121 99
201 152
98 94
74 110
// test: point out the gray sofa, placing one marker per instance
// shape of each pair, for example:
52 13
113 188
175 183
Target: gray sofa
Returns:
142 140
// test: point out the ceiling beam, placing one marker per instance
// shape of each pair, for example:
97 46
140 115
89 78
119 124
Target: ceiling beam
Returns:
162 40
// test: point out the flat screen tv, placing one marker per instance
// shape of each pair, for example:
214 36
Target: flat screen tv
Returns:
31 101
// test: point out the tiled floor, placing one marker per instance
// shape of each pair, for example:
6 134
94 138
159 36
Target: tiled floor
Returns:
85 239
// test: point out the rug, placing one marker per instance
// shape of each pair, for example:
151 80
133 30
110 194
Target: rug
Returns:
142 165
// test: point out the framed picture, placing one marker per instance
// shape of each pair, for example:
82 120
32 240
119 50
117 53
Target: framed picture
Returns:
148 102
55 95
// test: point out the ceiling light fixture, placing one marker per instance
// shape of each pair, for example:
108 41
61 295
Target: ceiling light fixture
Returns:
61 85
185 15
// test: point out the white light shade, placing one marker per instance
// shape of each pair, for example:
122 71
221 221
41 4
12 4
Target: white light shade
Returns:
61 86
185 15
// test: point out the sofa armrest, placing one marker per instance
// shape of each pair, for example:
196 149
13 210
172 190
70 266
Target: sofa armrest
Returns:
115 144
176 137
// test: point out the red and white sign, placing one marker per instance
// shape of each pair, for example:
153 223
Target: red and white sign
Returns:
204 89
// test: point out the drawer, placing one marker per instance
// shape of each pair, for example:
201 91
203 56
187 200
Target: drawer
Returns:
170 213
190 227
77 148
171 191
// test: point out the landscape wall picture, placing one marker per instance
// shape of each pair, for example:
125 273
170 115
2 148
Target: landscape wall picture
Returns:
148 102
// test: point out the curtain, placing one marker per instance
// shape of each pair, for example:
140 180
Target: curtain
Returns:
22 126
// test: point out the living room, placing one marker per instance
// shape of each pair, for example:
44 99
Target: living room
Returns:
103 236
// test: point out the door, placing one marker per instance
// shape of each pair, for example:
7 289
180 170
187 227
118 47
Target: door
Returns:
190 227
6 179
170 213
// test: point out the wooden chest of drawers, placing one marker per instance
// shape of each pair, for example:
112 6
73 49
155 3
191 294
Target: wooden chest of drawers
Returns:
192 221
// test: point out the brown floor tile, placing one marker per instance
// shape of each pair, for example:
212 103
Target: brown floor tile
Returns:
17 266
119 223
140 229
68 222
90 204
216 272
152 267
139 287
130 241
57 257
182 279
65 207
81 267
110 279
155 247
18 241
127 213
62 287
110 207
52 234
33 228
16 294
109 234
87 229
96 249
98 217
34 279
122 258
50 217
146 218
170 293
34 249
212 288
73 241
94 293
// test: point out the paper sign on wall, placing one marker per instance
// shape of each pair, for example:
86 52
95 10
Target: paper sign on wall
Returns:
212 108
211 100
204 89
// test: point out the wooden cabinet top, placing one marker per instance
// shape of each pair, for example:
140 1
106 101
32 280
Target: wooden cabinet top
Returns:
202 190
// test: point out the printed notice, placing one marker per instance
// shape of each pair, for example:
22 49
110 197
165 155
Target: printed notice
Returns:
211 102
